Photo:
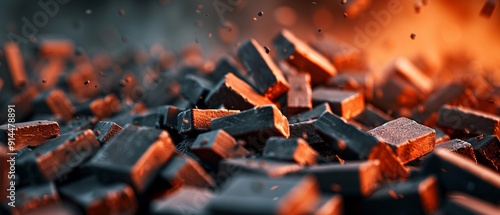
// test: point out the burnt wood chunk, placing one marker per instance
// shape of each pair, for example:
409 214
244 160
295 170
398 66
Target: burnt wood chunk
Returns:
32 198
55 102
295 149
94 197
15 64
106 130
258 195
225 65
412 74
182 170
372 117
312 114
105 107
194 89
346 104
332 205
349 179
299 97
198 120
468 120
487 151
255 125
133 156
270 168
266 75
306 131
56 48
81 81
407 138
457 174
185 200
59 156
150 119
460 147
168 117
459 203
234 93
214 146
301 55
445 95
395 94
32 133
350 143
422 195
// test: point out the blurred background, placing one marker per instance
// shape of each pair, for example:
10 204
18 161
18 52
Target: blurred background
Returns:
440 26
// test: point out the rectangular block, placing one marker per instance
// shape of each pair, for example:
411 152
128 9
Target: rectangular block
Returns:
299 97
347 104
255 126
55 48
258 195
214 146
225 65
351 179
306 130
301 55
105 107
441 136
372 117
422 195
194 121
32 133
467 120
487 151
15 64
133 156
407 138
168 117
55 102
475 180
488 8
106 130
294 149
181 170
459 147
32 198
412 74
266 75
181 201
394 94
312 114
94 197
82 81
443 96
234 93
194 89
59 156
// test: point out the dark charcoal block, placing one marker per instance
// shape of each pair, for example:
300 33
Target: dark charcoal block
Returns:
469 121
27 169
407 70
488 8
422 195
350 143
194 121
407 138
23 102
106 130
225 65
312 114
214 146
31 198
444 96
441 136
301 55
346 104
134 156
31 133
351 179
258 195
457 174
306 130
54 102
459 203
182 170
185 200
266 75
272 168
59 156
372 117
487 151
150 119
234 93
194 89
459 147
95 197
78 124
299 97
254 125
168 117
295 149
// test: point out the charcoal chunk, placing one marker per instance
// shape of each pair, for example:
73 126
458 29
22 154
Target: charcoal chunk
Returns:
295 149
31 133
214 146
346 104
